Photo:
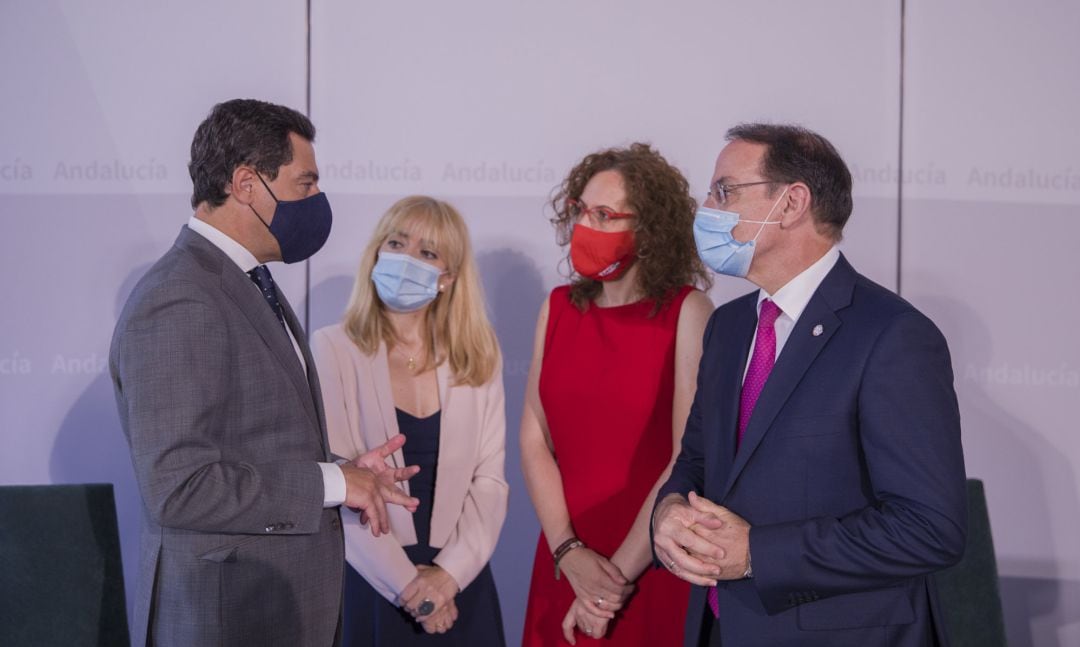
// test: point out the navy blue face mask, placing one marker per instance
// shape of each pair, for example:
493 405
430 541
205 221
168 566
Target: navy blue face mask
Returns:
300 227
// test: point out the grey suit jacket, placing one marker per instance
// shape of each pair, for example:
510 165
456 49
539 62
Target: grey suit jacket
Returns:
225 430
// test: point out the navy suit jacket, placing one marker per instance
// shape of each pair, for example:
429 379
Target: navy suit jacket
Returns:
850 473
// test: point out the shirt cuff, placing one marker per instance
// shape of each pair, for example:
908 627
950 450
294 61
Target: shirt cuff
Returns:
333 485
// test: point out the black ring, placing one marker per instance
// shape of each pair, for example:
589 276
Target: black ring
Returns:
425 608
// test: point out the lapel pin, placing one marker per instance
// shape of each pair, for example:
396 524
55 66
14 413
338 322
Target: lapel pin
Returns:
818 329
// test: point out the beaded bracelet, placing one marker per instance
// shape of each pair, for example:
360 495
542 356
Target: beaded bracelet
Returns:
563 549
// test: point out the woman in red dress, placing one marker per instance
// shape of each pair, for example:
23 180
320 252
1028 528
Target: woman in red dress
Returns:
613 374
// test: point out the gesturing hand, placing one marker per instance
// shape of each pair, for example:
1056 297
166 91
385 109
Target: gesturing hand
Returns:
598 584
375 459
431 584
369 493
387 475
578 616
686 553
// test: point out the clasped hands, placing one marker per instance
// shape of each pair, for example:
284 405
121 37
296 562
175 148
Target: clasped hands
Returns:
700 541
601 590
435 588
370 484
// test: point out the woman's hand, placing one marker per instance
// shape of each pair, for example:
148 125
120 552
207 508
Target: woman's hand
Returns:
431 584
579 616
442 620
598 584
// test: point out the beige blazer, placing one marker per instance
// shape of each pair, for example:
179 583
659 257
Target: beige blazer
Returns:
470 489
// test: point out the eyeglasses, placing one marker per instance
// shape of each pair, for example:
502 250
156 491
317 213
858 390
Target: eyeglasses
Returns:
719 191
577 208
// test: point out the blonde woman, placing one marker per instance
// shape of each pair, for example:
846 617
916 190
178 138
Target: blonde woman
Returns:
416 355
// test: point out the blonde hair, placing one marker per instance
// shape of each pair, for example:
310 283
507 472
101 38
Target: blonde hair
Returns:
457 322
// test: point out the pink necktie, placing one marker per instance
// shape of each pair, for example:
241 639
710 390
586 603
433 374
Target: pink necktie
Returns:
761 364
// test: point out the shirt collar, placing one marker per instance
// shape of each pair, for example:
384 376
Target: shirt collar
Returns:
234 250
793 297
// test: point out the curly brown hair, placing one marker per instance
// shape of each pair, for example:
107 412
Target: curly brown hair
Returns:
659 196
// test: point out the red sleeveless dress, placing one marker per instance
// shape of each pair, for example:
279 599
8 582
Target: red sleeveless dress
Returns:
606 384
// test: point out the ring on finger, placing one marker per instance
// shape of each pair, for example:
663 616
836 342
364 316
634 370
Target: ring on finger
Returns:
599 602
425 608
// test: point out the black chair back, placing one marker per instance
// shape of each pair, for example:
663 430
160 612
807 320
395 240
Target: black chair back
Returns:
969 592
61 580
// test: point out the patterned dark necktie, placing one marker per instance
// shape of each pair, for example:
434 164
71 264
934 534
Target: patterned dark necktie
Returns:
262 278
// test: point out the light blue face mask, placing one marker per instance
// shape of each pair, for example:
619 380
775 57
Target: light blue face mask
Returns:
403 283
718 248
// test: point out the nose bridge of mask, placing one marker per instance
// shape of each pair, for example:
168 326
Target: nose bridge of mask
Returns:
724 220
413 269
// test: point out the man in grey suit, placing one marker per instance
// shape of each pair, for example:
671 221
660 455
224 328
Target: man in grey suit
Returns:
220 402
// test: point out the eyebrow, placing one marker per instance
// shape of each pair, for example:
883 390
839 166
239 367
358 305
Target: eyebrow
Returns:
308 175
423 241
598 206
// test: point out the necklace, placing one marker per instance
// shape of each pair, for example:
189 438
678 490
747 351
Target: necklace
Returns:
410 360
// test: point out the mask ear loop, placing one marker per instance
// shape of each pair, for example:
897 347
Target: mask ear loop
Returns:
258 175
766 221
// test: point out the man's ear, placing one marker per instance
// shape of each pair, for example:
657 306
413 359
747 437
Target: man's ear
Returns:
242 186
795 206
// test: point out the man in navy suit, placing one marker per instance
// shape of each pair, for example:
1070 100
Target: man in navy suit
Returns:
821 477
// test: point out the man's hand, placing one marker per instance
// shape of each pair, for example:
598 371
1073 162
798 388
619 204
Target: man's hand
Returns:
431 584
375 460
368 492
686 553
591 625
733 536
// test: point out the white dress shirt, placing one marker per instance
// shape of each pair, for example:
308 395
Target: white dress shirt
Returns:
333 477
792 299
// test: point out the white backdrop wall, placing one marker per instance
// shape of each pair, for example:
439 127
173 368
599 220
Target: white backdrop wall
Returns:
991 205
488 104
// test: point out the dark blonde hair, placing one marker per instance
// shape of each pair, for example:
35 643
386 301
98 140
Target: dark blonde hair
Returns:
659 196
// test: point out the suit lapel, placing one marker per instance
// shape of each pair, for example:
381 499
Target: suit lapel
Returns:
238 286
733 341
242 291
311 378
799 352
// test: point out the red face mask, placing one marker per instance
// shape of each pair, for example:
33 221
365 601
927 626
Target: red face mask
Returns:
601 255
